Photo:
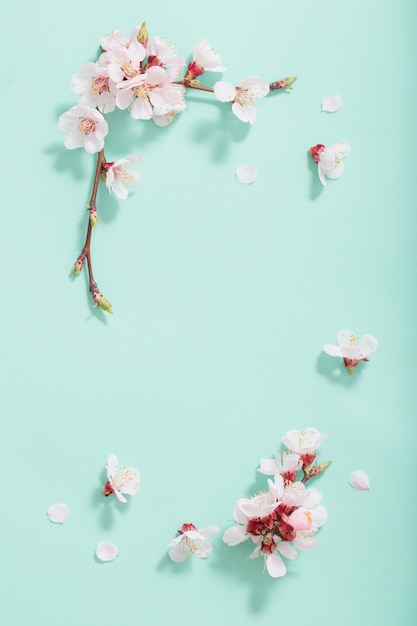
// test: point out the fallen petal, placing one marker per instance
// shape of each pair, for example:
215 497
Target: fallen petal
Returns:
58 513
246 174
331 103
107 551
359 480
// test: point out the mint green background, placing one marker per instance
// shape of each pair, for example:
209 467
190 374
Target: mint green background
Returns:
223 296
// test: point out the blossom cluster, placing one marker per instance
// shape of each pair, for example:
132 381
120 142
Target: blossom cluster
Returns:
144 76
286 515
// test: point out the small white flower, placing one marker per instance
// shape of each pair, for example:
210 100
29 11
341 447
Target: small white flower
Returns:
303 441
350 349
329 159
359 480
191 541
58 513
125 481
86 128
106 551
204 55
118 177
243 97
331 103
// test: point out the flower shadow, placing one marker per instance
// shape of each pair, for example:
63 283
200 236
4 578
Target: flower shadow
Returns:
334 369
220 133
234 561
316 188
177 569
108 506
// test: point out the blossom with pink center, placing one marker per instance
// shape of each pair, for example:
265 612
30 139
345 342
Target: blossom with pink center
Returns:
120 482
86 128
125 63
149 91
275 519
205 59
191 541
118 176
95 87
161 53
243 97
350 349
329 159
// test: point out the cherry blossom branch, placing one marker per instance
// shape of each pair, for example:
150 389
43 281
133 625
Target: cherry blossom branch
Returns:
144 76
98 297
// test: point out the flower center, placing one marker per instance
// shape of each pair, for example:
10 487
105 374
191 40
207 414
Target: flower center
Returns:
128 70
243 97
87 125
100 84
141 91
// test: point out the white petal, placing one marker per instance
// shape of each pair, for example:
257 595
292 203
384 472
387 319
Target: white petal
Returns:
209 531
319 516
347 337
342 148
367 345
331 103
257 87
332 349
359 480
246 113
268 467
246 174
58 513
225 92
234 535
112 466
287 550
275 566
179 552
107 551
320 171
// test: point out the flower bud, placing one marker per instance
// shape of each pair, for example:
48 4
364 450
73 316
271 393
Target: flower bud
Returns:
143 35
78 265
94 219
316 151
99 299
285 83
318 469
194 69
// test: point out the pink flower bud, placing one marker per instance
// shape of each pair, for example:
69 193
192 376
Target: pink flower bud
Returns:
99 299
79 263
316 151
94 219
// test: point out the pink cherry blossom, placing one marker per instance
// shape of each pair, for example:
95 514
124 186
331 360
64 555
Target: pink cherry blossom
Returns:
86 128
95 87
118 176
